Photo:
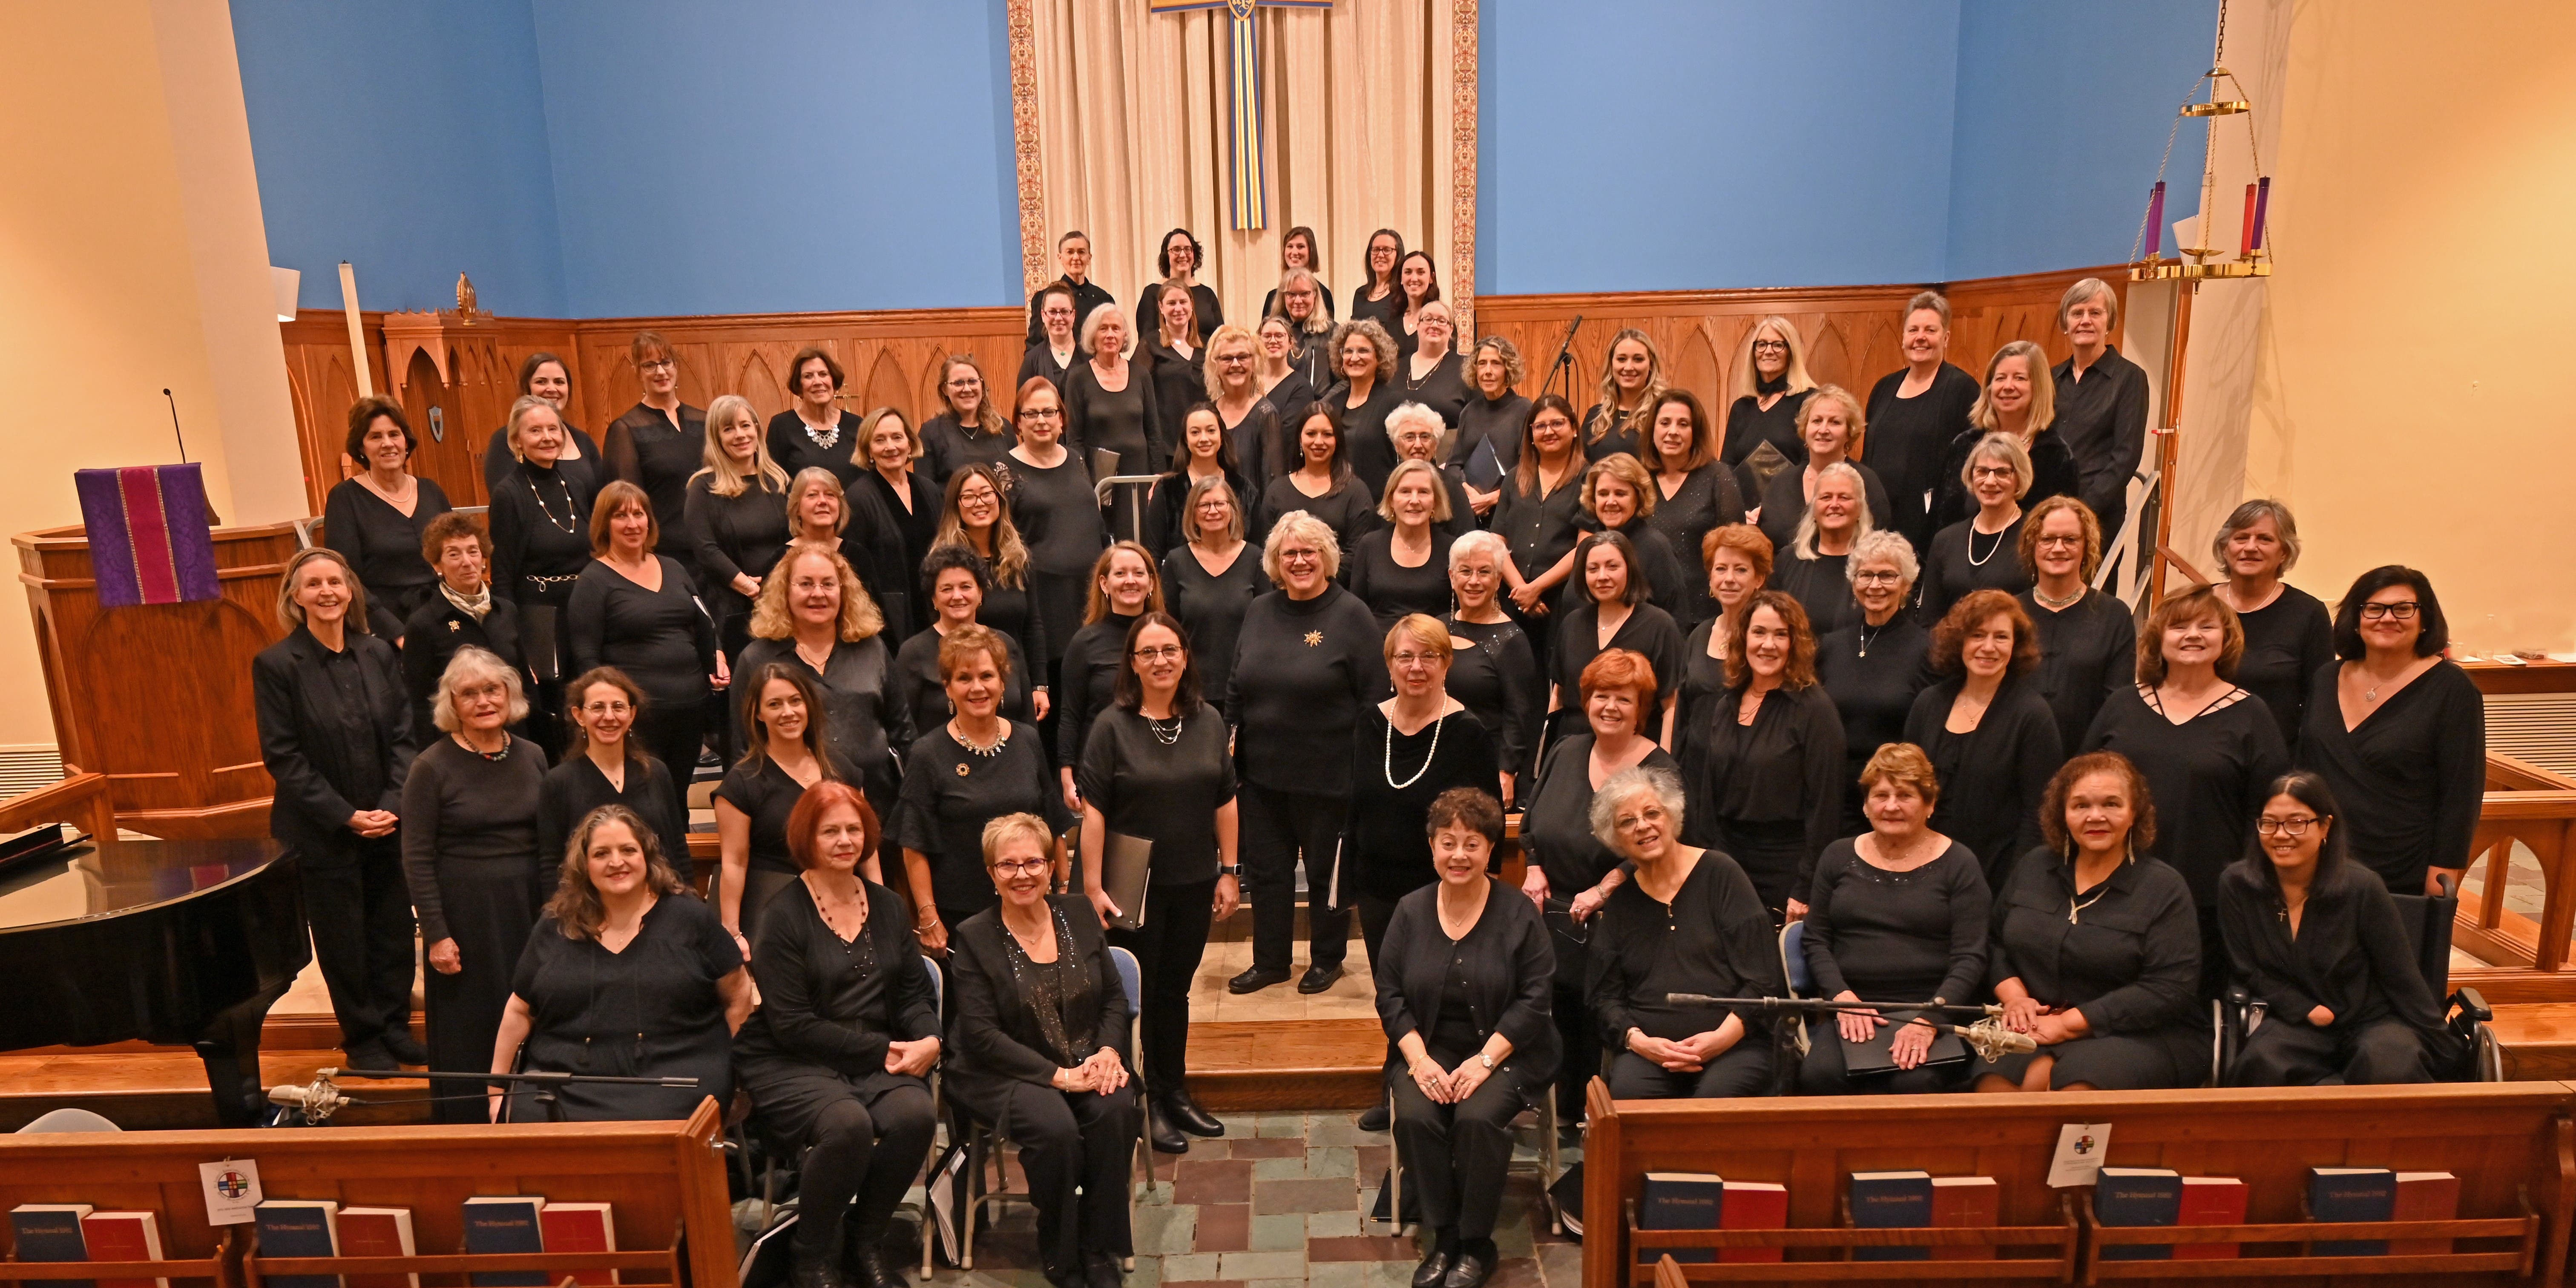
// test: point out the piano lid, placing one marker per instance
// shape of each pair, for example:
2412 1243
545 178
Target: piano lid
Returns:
136 876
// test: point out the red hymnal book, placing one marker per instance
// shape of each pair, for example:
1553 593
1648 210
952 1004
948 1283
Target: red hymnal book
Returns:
130 1236
2210 1200
2421 1196
580 1227
377 1232
1753 1205
1964 1201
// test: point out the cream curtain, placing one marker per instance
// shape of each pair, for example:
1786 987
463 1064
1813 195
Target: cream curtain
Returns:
1357 106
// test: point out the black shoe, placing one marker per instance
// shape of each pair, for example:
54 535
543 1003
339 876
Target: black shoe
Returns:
1257 979
1166 1138
371 1056
866 1267
1473 1266
1101 1270
1376 1118
1318 978
405 1048
1186 1115
1434 1268
818 1273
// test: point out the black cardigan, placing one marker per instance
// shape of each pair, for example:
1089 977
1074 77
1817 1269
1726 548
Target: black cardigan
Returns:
437 631
1993 776
1509 966
993 1040
2131 958
817 1009
304 737
2349 957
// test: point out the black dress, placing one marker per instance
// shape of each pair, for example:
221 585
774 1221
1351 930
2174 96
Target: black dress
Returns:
1180 381
2348 955
1784 502
1443 389
864 716
793 449
2411 777
648 1010
1211 607
540 543
1496 675
1963 560
1128 421
1770 794
925 691
1749 426
947 447
2206 776
1258 443
952 792
2087 652
1013 611
1713 939
1918 935
1821 585
1994 776
663 642
1089 683
1386 840
1906 438
1348 508
1500 421
1695 713
1392 590
729 536
1058 517
382 545
2286 641
469 843
644 447
1372 453
1707 500
437 631
572 789
1648 630
766 795
1873 674
1608 431
2124 952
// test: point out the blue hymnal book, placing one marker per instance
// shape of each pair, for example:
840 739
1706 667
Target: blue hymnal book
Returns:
299 1228
2137 1196
52 1232
505 1225
1679 1201
2351 1194
1891 1201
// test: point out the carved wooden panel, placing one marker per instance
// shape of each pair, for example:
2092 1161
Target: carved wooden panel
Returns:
889 359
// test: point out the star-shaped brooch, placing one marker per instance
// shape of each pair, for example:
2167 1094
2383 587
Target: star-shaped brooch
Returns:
1314 639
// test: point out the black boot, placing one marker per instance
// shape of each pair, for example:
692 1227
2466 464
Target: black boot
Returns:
404 1048
867 1267
1186 1114
1102 1270
1159 1129
816 1273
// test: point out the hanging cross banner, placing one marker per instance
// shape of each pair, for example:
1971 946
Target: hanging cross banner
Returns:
1244 96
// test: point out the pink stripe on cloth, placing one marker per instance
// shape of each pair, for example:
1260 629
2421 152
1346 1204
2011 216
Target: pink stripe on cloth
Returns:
147 529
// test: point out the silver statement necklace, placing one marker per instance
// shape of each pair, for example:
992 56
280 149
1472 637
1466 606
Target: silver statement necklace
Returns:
823 438
1427 758
1973 560
1155 727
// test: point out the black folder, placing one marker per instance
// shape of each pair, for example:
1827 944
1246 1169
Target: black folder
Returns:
1871 1058
1126 863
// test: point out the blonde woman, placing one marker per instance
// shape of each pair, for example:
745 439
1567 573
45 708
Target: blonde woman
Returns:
737 514
1233 385
969 428
1403 567
1632 380
1982 551
1770 385
1212 577
2019 400
638 611
1832 430
819 622
1434 375
1175 352
1816 571
892 451
822 515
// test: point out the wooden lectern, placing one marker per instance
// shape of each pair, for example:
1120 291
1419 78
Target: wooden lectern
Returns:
157 696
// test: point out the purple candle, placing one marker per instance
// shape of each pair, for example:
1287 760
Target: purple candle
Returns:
2155 218
2262 200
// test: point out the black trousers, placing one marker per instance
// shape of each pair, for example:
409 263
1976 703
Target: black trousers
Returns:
2214 967
1168 948
1375 915
867 1143
1279 828
360 912
1770 854
1740 1070
674 730
1454 1155
1077 1148
2287 1051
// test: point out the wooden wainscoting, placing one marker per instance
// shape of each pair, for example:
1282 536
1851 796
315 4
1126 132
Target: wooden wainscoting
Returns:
890 357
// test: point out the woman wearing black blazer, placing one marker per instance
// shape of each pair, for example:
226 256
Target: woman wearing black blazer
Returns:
1464 994
462 612
814 432
335 732
1039 1048
1993 770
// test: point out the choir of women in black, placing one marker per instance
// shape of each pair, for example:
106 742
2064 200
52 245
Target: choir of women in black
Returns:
1875 665
737 508
2088 641
1990 735
813 433
659 442
377 517
1615 613
545 376
1211 578
601 766
817 621
1982 551
462 613
1632 379
1156 767
1124 587
958 586
1914 413
638 611
1770 776
1492 669
964 771
1693 493
2288 633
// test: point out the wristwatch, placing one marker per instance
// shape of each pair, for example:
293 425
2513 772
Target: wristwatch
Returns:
1486 1058
1230 870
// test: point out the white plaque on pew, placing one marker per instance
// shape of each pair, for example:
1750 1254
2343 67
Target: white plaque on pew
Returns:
2080 1147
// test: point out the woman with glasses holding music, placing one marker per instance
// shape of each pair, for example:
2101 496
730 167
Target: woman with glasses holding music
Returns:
2399 733
1054 509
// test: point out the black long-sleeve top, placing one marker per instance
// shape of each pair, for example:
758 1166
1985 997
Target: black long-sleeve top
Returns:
947 447
1211 607
645 448
1994 776
2410 777
1323 302
729 536
1302 671
1500 421
1167 528
1348 509
2349 954
580 459
914 507
1149 317
1292 398
994 1038
1873 674
1386 845
1059 517
437 631
837 1003
1898 936
1540 527
864 716
572 789
1128 420
1504 959
1648 630
2129 958
459 806
1785 767
1963 560
1748 426
1496 675
1906 437
659 637
2206 776
1556 829
1713 939
1784 502
2286 641
793 449
1372 453
1392 590
335 733
1087 296
1089 682
2103 418
2052 469
925 690
1442 389
382 545
1180 380
1821 585
540 519
1258 442
1708 499
1658 571
1040 361
2088 651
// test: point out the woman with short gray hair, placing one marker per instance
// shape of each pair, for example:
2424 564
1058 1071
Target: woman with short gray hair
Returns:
1873 666
2287 631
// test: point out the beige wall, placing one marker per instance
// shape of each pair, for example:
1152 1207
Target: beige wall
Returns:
2411 402
131 258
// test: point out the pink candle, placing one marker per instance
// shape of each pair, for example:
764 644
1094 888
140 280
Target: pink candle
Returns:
2155 218
2262 207
2248 239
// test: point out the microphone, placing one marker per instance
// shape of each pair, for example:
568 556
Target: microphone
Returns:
316 1101
175 431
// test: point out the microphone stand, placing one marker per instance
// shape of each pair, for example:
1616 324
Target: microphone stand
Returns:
320 1099
1564 364
1987 1035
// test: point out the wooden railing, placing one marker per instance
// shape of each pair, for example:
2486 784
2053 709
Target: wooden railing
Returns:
2528 959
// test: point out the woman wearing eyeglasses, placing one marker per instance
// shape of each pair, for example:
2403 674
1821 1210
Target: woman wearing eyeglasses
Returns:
2399 733
1770 386
659 442
1053 509
1982 551
969 429
1297 255
2088 641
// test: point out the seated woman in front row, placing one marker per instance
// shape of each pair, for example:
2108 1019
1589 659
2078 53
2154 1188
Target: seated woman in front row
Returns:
2317 938
848 1027
1689 922
2096 948
1463 993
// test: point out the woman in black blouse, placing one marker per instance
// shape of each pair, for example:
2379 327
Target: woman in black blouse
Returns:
1915 412
1177 265
1689 922
638 611
966 771
1124 587
1619 496
1377 296
1039 1047
1433 375
1990 734
1055 510
626 975
813 433
1322 485
1770 783
969 429
1297 255
1897 914
2399 732
1284 375
1491 668
1632 382
659 442
1403 567
1463 995
1417 431
856 525
1207 452
1739 562
677 984
818 621
2206 747
2317 938
737 511
848 1027
463 613
1831 429
1363 392
377 516
2287 634
1875 665
1982 551
1817 570
784 754
1693 494
1247 421
2093 953
1770 385
1541 504
1175 357
1305 664
2088 641
1494 420
1405 752
603 767
2020 400
543 375
1212 578
1308 330
975 518
1615 614
1058 351
957 586
1157 768
540 519
892 448
1417 276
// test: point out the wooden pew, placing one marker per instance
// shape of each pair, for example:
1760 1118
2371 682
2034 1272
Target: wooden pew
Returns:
2511 1144
665 1178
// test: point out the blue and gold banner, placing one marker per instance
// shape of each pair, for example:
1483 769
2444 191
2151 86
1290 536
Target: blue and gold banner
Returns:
1249 182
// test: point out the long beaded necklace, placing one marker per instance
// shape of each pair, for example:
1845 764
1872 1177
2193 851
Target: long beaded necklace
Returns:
571 522
1427 758
1155 727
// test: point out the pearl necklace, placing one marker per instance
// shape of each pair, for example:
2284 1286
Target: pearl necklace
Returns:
1432 755
571 521
1973 560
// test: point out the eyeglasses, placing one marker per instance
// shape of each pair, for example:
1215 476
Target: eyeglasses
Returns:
658 364
1020 868
2403 610
1416 659
1300 556
2285 826
1166 653
1042 413
1994 472
964 382
2057 543
1877 577
1770 346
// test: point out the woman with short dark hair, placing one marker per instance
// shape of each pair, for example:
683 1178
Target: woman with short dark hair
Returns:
660 441
814 432
1058 350
463 613
638 611
1991 738
963 772
544 376
378 516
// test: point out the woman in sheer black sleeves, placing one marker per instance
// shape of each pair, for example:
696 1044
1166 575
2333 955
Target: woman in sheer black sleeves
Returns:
1364 390
1249 422
2288 635
958 583
1542 502
1772 777
1206 452
1817 569
543 375
1175 358
1322 484
1058 350
1632 381
2094 953
1990 734
1693 494
1770 386
638 612
1493 670
336 735
2317 939
1915 412
1689 922
1055 511
603 767
1615 614
1896 914
976 518
1125 585
1831 429
1463 996
819 622
463 613
1377 295
1982 551
377 516
659 442
1619 496
2399 732
737 512
1493 421
1296 255
969 429
813 433
2088 641
1876 664
1434 375
1178 263
1210 580
963 772
848 1027
1384 572
540 519
1039 1047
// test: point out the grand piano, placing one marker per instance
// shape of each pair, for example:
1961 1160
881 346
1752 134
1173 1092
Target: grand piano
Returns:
176 943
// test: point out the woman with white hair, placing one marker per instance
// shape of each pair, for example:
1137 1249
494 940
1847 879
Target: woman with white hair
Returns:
2288 633
1874 665
470 856
1494 670
1109 404
1982 551
1831 428
2018 400
1434 375
1403 568
1419 434
1819 554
